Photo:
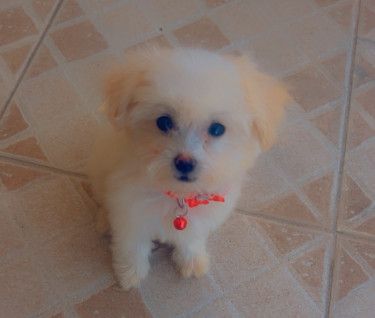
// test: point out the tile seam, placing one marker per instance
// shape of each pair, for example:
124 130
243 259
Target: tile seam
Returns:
32 164
283 221
336 197
31 57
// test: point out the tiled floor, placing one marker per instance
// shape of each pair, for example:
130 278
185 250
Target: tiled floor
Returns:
302 241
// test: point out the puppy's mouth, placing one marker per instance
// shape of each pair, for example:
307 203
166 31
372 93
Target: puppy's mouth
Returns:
185 178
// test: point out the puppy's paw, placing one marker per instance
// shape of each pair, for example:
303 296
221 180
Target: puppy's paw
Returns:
196 266
129 280
129 277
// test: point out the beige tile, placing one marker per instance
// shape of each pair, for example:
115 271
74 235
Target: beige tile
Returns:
273 294
68 143
16 24
42 62
361 163
366 47
69 10
251 18
290 10
273 61
166 294
311 89
311 273
324 3
360 303
369 4
286 238
74 261
12 123
89 75
169 11
261 184
49 207
28 147
122 24
79 40
16 57
335 67
22 292
366 251
364 71
215 3
329 123
353 200
49 96
4 94
113 302
316 35
157 41
368 224
289 207
319 192
11 237
15 177
202 33
342 14
365 98
231 261
292 152
358 130
43 8
348 275
220 308
293 114
97 5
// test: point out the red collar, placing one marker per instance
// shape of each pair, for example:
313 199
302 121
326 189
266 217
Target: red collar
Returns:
195 199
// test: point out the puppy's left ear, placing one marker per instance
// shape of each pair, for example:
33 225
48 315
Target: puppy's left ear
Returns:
119 91
266 97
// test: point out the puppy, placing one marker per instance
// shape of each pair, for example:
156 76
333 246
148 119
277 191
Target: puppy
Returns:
184 127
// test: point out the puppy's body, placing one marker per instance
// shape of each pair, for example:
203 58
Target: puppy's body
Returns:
188 122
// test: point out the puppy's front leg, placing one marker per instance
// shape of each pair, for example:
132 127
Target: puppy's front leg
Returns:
130 260
192 258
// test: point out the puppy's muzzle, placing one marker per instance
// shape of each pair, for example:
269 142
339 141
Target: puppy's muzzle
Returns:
185 165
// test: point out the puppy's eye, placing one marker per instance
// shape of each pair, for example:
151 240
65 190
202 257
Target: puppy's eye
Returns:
164 123
216 130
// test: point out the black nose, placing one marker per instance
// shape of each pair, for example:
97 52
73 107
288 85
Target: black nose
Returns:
184 164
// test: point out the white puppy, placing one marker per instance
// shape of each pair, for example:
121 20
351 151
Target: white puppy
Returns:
185 126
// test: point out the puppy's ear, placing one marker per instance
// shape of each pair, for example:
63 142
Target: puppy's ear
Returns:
266 98
118 91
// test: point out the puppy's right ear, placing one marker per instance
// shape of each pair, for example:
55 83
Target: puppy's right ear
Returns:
118 91
266 98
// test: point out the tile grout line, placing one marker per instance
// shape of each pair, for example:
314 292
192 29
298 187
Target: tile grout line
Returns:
31 57
282 221
350 62
369 239
29 164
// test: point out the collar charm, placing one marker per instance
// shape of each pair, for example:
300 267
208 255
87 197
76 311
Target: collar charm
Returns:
191 201
180 211
180 223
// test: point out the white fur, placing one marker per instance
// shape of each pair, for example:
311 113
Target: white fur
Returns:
132 162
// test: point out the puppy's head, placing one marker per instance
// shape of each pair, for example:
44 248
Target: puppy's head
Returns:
196 120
